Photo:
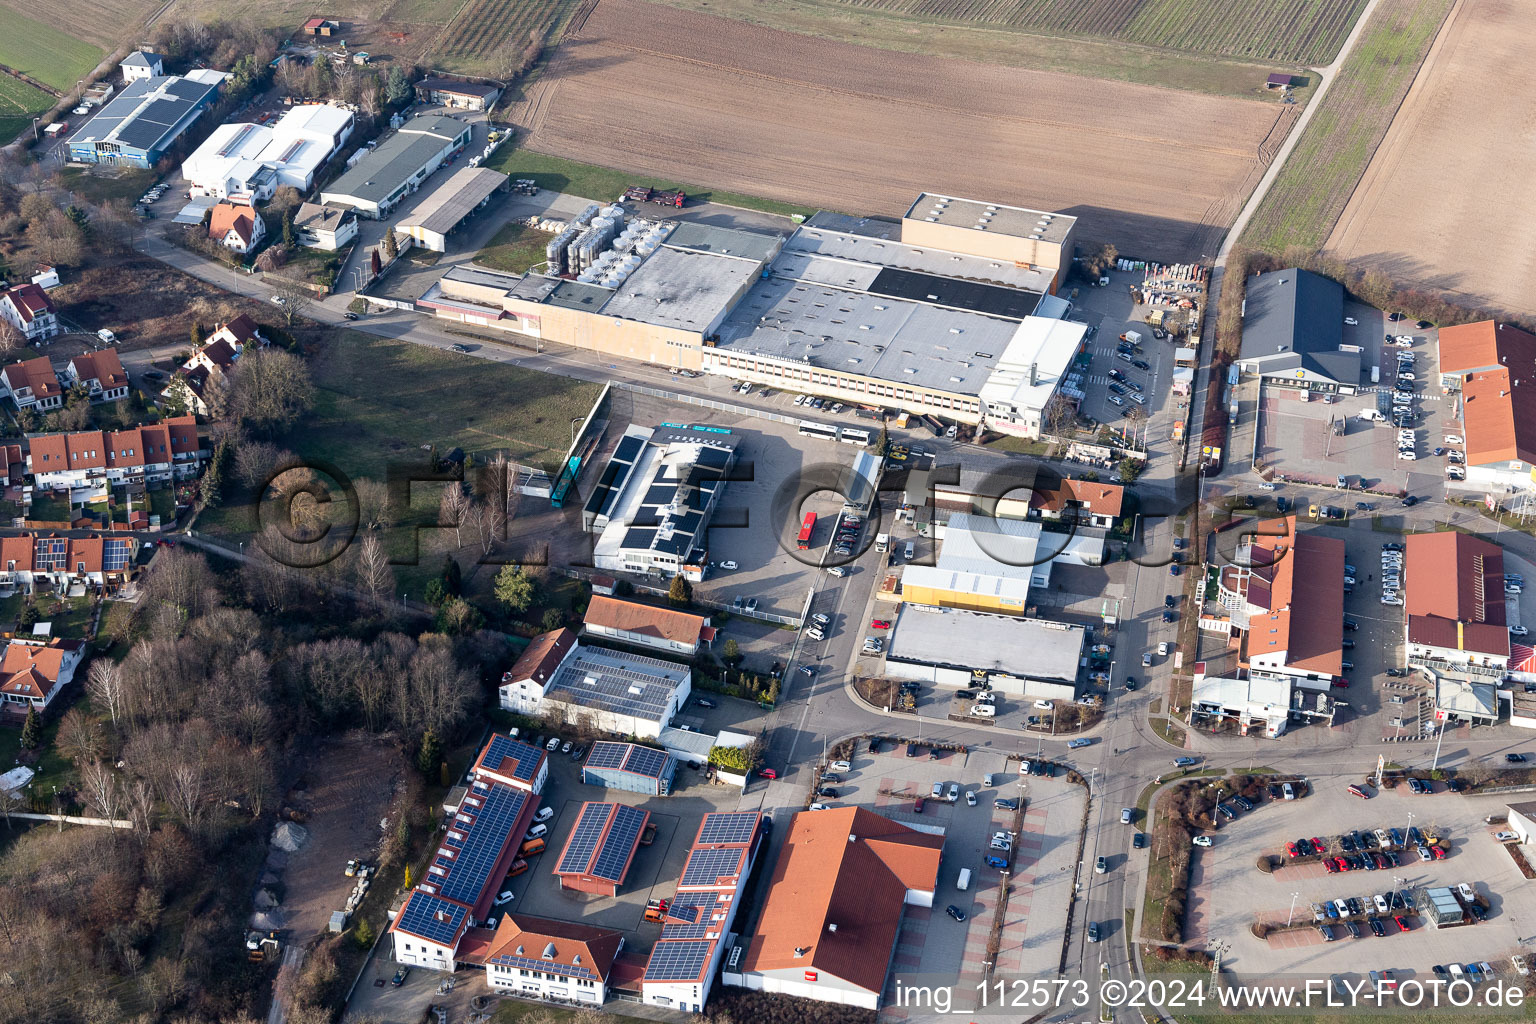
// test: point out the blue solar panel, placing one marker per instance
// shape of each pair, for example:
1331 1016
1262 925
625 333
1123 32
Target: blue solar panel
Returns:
116 554
678 961
486 835
728 827
421 917
549 966
619 844
646 761
706 866
584 838
607 755
689 916
502 747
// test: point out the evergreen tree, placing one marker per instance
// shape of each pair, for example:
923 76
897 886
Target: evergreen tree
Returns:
31 730
197 336
288 228
364 935
407 880
391 248
431 754
453 577
681 591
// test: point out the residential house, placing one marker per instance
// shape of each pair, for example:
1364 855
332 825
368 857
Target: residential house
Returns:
451 92
664 629
151 453
29 309
32 672
236 226
141 64
16 560
92 559
1085 501
325 226
100 373
538 958
200 378
32 384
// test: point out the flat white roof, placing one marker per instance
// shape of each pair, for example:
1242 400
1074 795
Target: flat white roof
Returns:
988 546
1030 648
1034 363
1004 588
1261 696
301 140
997 218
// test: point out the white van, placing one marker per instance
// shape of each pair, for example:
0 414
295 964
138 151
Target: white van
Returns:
983 711
964 881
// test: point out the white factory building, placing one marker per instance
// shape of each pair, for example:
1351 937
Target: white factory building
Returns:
606 690
953 647
257 159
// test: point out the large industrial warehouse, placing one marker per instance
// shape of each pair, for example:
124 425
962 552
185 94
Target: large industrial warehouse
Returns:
255 160
940 317
397 166
146 119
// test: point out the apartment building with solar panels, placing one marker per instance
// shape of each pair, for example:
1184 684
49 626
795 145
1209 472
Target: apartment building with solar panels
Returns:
479 844
685 958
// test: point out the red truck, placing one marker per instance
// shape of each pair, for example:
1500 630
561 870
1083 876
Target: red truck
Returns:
659 196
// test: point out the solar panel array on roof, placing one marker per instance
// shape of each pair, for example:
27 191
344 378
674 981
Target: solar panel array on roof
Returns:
584 839
486 830
728 827
606 754
533 964
689 915
51 554
186 89
707 867
678 961
526 756
646 761
421 917
117 553
628 448
619 844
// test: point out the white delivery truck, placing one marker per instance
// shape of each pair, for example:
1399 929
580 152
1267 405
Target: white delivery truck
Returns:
882 541
964 881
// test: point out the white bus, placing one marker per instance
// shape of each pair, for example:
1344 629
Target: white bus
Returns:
809 428
854 435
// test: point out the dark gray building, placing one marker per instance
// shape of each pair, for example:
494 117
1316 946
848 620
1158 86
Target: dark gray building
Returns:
1293 333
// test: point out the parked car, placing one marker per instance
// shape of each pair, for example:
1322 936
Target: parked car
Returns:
1204 841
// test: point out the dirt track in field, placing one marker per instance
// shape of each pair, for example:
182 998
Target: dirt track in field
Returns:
1445 201
734 106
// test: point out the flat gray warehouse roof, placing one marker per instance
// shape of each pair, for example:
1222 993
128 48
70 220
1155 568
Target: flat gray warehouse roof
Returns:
1000 219
750 245
880 252
950 637
907 343
682 288
455 199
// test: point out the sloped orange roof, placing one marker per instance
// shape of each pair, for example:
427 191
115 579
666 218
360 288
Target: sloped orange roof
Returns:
1305 598
228 217
837 894
559 947
1455 595
1100 499
543 656
17 550
1497 364
36 374
644 619
31 671
103 366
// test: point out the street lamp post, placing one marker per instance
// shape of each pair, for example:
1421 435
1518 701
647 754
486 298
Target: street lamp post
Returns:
1292 914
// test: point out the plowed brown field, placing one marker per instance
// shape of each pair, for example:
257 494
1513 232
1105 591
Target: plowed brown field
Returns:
667 92
1445 201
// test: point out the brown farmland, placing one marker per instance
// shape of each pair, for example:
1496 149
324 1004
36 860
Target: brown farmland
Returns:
1443 203
667 92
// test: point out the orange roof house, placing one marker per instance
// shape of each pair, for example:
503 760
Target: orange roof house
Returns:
1496 366
101 373
1099 501
236 225
33 382
32 674
835 903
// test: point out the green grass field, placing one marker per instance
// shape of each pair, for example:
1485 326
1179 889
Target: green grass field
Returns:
514 248
19 103
379 400
1315 185
606 184
43 52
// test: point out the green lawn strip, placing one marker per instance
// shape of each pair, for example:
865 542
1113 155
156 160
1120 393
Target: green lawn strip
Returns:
515 248
45 53
1021 445
48 508
605 184
19 103
1316 183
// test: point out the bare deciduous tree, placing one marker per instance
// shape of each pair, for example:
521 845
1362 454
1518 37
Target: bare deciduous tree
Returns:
453 509
101 788
270 391
104 683
296 299
373 569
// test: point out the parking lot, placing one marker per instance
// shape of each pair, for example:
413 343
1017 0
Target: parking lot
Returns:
1229 894
1318 440
945 951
